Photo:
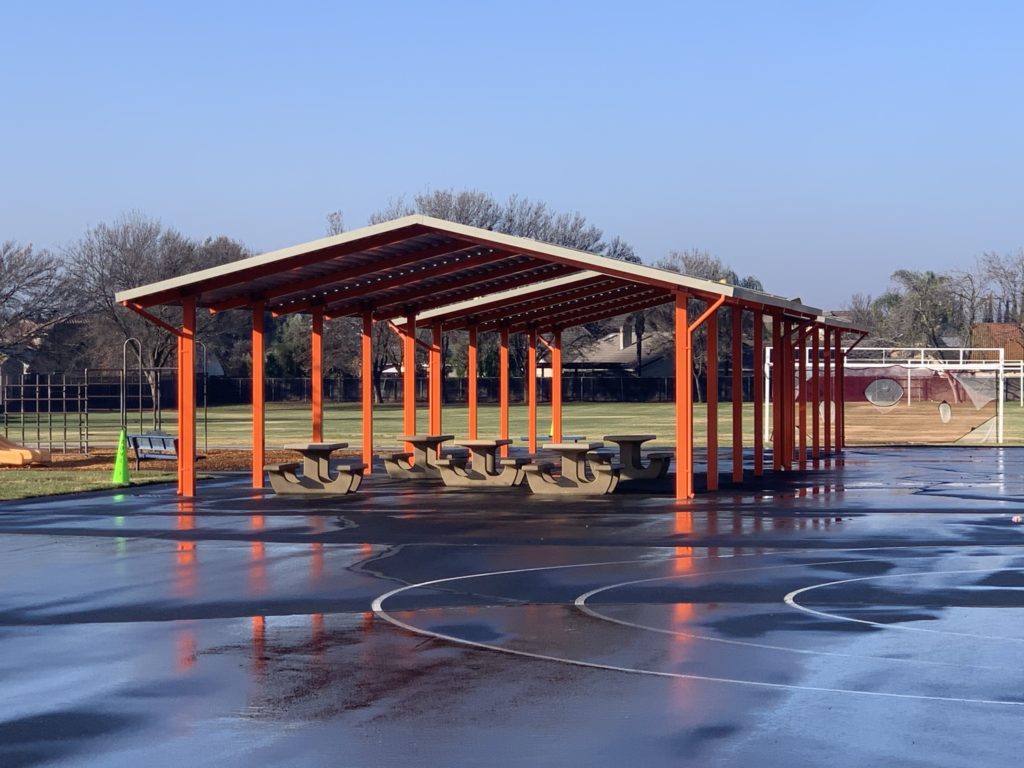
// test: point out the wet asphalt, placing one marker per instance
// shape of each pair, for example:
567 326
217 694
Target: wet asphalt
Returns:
870 612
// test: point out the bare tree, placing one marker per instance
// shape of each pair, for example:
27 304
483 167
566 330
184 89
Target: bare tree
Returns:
33 296
335 223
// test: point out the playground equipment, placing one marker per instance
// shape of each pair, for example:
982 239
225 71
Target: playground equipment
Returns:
14 455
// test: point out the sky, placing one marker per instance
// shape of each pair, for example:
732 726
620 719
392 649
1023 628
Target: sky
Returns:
816 145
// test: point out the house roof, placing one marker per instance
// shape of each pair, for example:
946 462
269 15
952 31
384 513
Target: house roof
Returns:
439 269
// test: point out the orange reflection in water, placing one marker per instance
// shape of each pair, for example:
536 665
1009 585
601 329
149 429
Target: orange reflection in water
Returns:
257 564
187 652
259 644
683 525
185 554
316 565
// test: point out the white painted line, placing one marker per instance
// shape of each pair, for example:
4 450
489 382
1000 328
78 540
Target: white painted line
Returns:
790 600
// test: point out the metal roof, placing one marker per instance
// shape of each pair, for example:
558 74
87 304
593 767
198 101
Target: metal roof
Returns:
441 270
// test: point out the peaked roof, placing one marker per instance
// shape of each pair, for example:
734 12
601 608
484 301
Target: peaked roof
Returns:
452 272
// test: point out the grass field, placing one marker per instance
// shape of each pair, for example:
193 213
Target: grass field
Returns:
28 483
229 426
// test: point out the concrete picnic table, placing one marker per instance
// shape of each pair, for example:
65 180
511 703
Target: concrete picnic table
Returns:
418 464
316 471
631 458
485 468
573 479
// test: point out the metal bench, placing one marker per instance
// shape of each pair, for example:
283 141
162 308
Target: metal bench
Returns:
162 447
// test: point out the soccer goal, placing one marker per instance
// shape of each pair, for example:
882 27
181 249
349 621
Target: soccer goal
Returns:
917 396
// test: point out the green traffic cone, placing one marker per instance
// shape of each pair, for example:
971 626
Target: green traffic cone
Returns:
120 476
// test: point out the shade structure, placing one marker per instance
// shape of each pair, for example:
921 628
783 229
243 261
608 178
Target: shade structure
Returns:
426 272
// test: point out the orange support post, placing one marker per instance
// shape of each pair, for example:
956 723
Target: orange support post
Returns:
316 344
758 372
802 378
187 405
778 409
435 381
556 386
684 402
531 389
712 402
828 392
259 445
367 393
816 397
503 388
839 395
737 394
409 377
471 365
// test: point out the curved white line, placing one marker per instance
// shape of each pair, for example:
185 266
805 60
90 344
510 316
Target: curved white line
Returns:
790 600
581 604
378 609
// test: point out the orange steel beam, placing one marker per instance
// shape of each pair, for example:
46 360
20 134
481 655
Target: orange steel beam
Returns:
137 308
435 372
712 400
503 376
758 394
471 372
684 401
827 373
443 292
711 309
397 329
258 397
379 264
838 390
586 313
531 388
816 397
409 377
187 404
367 393
316 373
802 376
387 281
244 274
776 382
488 284
513 304
556 386
599 294
737 393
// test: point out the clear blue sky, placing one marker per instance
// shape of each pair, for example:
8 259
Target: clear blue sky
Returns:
818 145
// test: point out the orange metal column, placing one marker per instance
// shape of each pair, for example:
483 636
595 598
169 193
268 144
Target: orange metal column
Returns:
802 377
827 373
816 396
258 397
556 386
471 363
187 401
840 396
684 402
712 401
778 410
409 377
758 373
503 388
737 394
367 393
316 343
180 399
435 380
531 389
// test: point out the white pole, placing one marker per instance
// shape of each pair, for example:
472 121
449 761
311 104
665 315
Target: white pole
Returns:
1001 384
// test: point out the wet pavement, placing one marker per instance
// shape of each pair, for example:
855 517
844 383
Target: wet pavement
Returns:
869 612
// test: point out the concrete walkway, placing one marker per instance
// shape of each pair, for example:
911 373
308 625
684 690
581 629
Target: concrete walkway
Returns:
868 613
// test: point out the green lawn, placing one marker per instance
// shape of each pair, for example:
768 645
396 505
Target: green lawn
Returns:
27 483
229 426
